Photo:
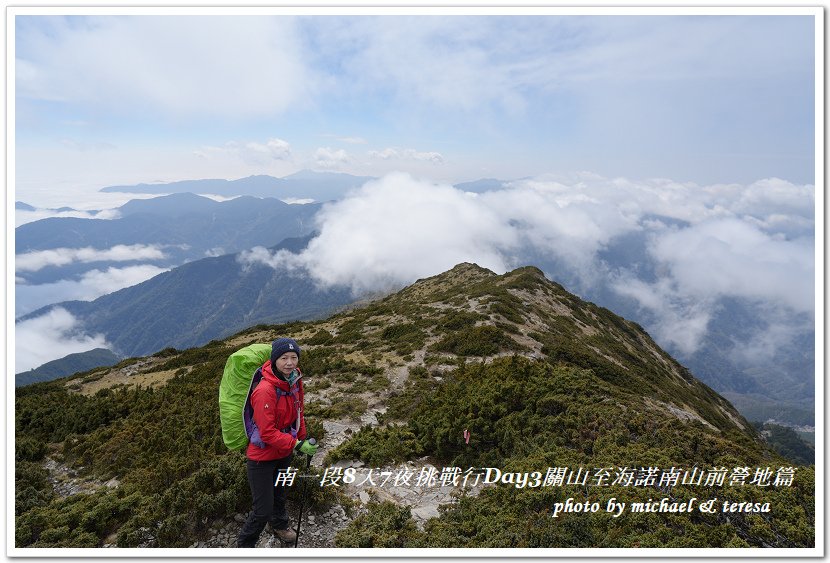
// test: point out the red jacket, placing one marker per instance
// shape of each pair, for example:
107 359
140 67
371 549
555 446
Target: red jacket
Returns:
273 414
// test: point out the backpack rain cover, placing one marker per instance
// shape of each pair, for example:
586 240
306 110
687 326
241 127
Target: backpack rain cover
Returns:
234 391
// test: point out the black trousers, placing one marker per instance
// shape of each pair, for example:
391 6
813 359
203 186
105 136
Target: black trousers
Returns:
269 500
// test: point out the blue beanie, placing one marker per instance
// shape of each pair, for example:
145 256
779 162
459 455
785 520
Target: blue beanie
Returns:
282 345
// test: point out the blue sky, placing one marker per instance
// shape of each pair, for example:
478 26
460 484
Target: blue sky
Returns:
694 98
607 124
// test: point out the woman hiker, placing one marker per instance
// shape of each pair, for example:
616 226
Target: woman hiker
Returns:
277 403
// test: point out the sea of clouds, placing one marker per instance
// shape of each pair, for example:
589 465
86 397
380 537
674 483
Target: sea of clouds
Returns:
704 243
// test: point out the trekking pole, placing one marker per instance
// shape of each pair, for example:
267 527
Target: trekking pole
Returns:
313 442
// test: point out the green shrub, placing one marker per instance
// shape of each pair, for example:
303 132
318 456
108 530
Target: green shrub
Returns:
404 338
476 341
32 486
27 448
457 320
322 336
81 520
385 524
340 407
377 446
506 311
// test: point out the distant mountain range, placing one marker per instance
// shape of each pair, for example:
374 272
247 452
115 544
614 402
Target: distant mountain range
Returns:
201 301
22 206
184 226
187 226
319 186
303 185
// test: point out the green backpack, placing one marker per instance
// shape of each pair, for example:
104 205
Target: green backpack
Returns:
235 391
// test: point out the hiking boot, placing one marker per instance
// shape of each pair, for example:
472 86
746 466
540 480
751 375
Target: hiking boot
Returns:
286 536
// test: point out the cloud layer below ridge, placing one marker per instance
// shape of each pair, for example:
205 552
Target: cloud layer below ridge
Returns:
701 243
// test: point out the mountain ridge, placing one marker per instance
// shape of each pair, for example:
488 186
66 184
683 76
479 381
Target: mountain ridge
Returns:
305 184
519 283
171 219
539 378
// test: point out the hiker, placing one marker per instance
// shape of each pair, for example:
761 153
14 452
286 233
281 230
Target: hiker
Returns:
277 403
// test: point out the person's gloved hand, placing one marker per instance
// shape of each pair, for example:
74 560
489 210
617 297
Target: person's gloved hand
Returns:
306 447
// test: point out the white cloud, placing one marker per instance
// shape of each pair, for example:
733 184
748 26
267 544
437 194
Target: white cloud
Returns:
274 149
391 153
730 257
395 230
475 63
279 260
385 154
325 157
251 152
701 264
21 217
459 64
170 63
703 245
297 201
220 198
39 259
774 197
91 285
50 337
778 334
680 322
100 282
569 222
108 214
353 140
